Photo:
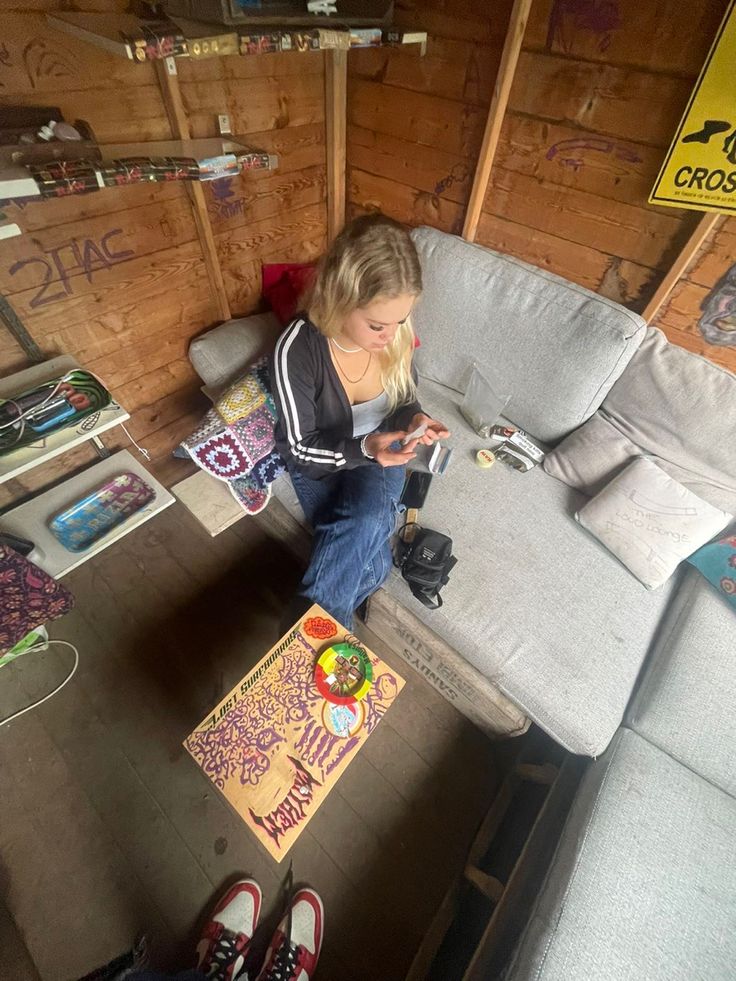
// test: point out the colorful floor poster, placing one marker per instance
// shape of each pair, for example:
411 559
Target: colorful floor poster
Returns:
277 744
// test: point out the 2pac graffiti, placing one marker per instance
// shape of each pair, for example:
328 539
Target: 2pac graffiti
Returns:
58 265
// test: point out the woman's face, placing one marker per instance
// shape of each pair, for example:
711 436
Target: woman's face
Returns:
374 326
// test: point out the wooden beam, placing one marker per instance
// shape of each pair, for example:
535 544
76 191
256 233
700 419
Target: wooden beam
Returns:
702 230
496 112
174 105
336 83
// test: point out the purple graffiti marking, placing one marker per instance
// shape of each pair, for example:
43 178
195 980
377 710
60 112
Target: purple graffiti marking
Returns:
568 17
569 153
57 264
222 193
458 173
718 322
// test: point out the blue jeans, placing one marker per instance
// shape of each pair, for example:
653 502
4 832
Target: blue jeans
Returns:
353 513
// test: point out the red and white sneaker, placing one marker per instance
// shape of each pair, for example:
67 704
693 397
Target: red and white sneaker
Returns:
294 949
225 939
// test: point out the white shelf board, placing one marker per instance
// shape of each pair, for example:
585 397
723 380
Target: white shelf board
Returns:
31 520
16 462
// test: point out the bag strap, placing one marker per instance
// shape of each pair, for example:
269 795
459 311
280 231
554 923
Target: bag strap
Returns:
403 546
425 599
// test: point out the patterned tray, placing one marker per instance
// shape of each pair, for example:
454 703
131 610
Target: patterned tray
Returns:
85 522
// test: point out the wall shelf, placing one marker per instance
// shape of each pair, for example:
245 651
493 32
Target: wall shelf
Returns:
19 461
140 41
31 520
123 164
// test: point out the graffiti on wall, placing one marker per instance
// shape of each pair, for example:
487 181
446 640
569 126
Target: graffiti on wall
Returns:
57 266
718 321
568 17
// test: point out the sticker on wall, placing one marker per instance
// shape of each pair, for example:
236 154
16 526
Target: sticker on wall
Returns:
699 171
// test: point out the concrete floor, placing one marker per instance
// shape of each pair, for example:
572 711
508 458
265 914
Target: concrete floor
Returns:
109 830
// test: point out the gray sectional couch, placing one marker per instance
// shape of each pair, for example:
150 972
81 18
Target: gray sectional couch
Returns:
540 622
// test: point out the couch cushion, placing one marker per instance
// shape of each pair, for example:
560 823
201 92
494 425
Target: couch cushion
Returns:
650 521
555 347
679 407
643 884
220 355
594 454
534 604
685 702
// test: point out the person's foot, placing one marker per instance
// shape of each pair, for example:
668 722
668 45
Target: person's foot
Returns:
225 938
294 950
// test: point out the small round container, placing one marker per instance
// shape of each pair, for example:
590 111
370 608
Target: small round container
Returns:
485 459
343 674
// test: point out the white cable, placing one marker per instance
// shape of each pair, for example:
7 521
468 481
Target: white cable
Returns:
40 701
143 452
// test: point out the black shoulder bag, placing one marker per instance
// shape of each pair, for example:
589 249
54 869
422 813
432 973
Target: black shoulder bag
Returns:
425 563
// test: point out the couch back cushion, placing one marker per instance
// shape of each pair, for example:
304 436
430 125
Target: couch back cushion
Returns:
678 407
554 347
222 354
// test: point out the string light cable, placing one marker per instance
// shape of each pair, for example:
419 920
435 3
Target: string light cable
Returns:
43 647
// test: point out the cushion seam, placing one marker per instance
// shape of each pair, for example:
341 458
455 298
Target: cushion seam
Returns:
571 881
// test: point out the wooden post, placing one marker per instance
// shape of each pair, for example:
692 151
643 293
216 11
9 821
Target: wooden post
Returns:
171 93
336 84
702 230
496 112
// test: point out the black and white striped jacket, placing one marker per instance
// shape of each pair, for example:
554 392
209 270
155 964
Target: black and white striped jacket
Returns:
315 422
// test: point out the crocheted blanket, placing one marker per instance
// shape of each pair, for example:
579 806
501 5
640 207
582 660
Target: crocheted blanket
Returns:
235 440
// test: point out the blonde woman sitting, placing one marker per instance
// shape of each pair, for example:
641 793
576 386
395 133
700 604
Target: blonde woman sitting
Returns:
346 397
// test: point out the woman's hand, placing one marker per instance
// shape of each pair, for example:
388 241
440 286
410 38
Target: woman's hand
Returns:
379 446
435 430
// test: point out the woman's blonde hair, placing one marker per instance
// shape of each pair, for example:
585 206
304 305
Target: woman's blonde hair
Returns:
373 257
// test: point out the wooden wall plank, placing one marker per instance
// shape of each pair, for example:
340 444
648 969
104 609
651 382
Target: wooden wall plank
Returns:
442 123
33 215
460 21
671 37
626 282
168 81
368 192
681 263
611 167
424 168
460 70
250 201
645 236
261 104
604 99
717 257
496 112
336 72
41 61
62 254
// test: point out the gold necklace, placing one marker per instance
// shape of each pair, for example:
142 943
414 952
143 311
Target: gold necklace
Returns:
354 381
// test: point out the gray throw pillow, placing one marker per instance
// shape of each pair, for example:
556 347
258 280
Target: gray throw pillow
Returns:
650 522
598 451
